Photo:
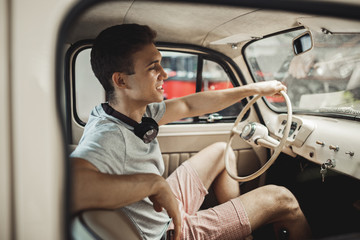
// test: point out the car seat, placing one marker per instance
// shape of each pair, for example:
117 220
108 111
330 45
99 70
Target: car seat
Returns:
103 224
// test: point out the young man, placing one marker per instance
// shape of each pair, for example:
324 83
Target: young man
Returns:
118 163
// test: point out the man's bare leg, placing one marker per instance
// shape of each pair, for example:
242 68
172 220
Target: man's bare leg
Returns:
264 205
210 166
277 205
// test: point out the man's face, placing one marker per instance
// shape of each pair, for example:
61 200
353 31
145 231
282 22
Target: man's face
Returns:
145 85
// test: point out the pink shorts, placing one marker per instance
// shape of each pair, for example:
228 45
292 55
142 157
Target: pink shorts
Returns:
226 221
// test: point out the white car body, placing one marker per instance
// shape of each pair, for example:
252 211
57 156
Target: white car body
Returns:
34 177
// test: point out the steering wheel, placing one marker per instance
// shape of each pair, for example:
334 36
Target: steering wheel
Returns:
257 134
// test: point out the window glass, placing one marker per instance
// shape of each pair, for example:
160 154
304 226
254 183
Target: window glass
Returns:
324 80
215 78
182 69
88 90
182 76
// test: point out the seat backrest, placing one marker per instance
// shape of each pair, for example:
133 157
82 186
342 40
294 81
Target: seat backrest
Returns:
103 224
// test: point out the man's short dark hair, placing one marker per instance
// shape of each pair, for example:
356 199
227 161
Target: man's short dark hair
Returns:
113 50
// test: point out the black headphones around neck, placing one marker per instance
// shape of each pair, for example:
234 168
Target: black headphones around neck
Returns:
147 130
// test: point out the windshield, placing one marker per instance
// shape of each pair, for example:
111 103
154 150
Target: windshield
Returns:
325 79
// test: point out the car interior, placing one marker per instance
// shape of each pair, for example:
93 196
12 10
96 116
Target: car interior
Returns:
306 139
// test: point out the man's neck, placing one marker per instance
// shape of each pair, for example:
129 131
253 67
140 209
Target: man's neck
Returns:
130 110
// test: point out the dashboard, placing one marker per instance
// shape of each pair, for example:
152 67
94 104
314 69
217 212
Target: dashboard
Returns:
330 142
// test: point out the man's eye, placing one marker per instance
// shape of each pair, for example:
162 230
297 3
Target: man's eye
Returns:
155 67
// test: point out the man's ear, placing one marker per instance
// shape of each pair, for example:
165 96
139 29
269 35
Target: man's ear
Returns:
118 79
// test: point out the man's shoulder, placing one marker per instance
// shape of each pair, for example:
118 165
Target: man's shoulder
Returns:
155 110
101 121
103 126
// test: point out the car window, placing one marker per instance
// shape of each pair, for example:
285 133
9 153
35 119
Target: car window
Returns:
214 77
187 73
183 79
88 90
324 80
181 69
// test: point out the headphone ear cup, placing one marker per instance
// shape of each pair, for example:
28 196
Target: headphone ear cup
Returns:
149 122
147 130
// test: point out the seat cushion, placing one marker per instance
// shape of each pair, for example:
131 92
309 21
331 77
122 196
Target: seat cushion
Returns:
104 224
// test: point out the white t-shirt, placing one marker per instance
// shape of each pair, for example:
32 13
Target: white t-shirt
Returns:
111 146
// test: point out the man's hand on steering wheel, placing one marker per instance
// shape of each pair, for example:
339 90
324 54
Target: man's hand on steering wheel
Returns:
268 88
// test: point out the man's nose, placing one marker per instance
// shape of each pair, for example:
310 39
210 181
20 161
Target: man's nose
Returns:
163 74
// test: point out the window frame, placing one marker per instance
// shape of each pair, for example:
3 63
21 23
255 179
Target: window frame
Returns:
70 91
204 55
296 111
229 66
243 49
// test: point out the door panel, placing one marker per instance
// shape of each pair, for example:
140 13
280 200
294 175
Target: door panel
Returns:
179 142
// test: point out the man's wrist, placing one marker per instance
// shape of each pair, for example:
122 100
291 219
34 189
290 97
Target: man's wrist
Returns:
250 89
158 184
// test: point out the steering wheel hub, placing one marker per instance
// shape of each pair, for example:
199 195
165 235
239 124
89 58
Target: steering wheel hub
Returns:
248 131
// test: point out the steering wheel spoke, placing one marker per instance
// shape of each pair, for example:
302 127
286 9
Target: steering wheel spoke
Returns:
267 144
236 130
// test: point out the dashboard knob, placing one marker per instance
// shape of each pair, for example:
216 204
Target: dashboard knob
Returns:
320 143
351 153
335 148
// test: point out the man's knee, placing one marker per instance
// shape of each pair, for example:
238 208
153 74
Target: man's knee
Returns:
220 148
283 201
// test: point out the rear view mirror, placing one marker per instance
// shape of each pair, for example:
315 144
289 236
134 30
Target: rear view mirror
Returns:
302 43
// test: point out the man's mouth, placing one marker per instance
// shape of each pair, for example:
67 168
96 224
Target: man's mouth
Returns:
159 88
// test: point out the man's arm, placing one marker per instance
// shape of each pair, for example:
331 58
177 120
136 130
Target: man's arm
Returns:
93 189
212 101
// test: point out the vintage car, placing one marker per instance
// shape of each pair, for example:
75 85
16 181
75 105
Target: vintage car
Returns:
310 143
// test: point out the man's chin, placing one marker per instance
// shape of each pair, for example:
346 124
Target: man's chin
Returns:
160 99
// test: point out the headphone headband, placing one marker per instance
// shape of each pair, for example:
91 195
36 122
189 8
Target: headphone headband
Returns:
147 130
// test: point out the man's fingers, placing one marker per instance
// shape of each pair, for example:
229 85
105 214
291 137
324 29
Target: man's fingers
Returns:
177 226
273 88
283 88
158 208
177 232
174 213
166 199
